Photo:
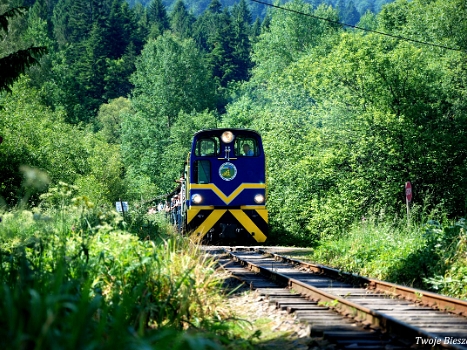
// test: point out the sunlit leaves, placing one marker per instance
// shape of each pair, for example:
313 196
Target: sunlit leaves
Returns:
15 55
289 36
37 137
171 78
379 112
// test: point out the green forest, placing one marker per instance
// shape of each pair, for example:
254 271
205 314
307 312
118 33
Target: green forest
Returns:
111 95
349 11
99 100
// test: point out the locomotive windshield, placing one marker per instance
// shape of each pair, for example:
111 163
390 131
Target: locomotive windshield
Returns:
207 147
245 146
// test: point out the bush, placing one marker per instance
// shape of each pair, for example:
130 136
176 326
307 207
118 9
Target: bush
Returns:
447 248
71 278
433 256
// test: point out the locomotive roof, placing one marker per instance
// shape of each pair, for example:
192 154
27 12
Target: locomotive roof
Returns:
221 130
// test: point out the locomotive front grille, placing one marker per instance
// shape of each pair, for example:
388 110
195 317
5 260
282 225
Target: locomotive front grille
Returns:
249 224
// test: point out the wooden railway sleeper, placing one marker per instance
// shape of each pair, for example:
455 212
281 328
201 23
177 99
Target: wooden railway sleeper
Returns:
368 317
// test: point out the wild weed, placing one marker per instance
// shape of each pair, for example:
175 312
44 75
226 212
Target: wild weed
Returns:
431 256
71 278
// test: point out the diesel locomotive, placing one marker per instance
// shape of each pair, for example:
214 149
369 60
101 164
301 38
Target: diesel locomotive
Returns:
223 192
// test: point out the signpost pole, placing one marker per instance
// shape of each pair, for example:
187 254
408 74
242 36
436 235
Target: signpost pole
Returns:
123 208
408 199
408 211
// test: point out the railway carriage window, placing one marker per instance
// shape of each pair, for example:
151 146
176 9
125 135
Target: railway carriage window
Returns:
202 173
207 147
245 146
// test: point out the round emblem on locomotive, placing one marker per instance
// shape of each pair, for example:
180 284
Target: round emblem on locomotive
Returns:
227 171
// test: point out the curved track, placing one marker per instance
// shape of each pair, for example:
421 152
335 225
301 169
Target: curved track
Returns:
352 311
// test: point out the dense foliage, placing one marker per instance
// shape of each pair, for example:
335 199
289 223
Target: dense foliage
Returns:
350 11
71 278
38 139
429 257
348 116
15 59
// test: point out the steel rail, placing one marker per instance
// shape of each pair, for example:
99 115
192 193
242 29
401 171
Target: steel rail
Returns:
367 316
433 300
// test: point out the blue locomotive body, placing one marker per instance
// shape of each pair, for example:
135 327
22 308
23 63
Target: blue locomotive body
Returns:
225 187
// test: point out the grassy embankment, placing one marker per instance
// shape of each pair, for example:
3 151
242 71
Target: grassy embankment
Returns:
431 256
72 276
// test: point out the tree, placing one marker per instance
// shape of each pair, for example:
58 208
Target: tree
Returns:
179 144
109 118
255 30
181 21
379 4
364 6
82 14
348 13
220 43
35 136
208 25
91 68
141 32
120 24
60 19
101 40
225 39
289 36
122 51
43 10
117 78
157 18
399 120
393 17
215 6
368 21
171 77
241 25
13 64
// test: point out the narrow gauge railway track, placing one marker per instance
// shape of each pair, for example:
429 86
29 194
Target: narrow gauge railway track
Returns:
352 311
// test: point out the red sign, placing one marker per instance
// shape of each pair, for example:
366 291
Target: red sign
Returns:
408 191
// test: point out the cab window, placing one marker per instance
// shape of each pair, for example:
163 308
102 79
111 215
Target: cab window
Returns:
202 172
245 146
207 147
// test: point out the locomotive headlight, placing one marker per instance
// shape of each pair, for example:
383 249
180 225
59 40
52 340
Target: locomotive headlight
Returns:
227 137
196 198
259 198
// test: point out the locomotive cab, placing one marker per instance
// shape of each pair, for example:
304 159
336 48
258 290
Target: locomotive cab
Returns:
226 187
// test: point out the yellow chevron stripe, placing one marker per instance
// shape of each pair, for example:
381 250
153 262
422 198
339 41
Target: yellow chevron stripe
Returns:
191 213
263 213
260 209
207 224
231 197
248 224
194 210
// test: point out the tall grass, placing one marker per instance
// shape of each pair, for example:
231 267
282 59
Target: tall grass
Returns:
71 278
371 248
429 256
